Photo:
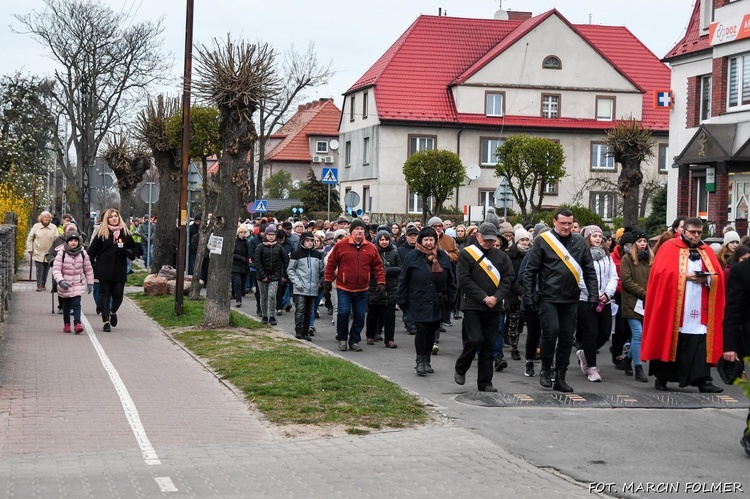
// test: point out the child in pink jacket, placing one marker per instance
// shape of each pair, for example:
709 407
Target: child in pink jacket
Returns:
74 275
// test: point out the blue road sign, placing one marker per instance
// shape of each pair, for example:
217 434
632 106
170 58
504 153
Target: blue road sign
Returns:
330 176
261 206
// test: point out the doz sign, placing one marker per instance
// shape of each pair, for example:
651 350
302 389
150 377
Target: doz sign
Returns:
729 31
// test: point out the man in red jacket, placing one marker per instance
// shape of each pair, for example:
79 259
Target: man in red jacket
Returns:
351 262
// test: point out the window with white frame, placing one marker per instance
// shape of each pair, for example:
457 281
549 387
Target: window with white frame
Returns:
605 108
705 98
417 143
366 151
488 149
550 106
364 106
351 108
321 146
348 153
494 103
551 188
416 202
738 86
600 159
603 204
487 198
664 158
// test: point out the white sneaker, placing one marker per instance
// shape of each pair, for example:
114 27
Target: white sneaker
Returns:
594 375
582 361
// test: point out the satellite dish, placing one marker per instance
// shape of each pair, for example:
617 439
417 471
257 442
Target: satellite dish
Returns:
501 15
334 145
296 184
473 172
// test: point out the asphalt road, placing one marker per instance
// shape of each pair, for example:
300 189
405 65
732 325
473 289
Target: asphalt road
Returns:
645 451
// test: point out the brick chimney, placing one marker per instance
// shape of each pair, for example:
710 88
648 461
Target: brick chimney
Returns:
517 15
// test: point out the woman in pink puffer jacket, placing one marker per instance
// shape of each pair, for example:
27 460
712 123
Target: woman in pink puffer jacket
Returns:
74 275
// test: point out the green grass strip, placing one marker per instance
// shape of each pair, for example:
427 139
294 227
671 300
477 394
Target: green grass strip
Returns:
287 381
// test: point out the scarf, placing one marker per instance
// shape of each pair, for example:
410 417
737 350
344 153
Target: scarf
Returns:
643 255
431 256
73 252
115 230
267 243
598 253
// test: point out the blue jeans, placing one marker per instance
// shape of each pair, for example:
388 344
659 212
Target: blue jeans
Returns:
636 332
499 341
148 254
348 302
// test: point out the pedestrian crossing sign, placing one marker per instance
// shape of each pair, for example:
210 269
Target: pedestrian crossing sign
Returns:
330 176
261 206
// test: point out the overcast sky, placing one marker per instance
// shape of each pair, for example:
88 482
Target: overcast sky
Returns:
350 33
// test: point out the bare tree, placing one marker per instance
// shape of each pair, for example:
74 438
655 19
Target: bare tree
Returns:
129 162
299 72
105 61
152 130
630 144
234 78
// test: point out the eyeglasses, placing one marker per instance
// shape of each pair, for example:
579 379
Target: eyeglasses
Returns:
694 232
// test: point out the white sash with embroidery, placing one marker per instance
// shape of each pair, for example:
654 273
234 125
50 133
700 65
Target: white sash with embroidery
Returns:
566 257
478 255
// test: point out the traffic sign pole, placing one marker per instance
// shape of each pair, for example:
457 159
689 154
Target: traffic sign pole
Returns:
329 202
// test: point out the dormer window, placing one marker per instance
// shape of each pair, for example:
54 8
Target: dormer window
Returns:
552 62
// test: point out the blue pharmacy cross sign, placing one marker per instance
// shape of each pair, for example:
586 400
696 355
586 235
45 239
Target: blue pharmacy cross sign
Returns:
261 206
330 176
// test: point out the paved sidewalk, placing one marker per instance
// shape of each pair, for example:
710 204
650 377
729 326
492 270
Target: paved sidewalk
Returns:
130 414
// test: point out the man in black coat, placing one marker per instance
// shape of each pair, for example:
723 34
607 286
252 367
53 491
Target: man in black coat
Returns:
559 264
485 275
737 325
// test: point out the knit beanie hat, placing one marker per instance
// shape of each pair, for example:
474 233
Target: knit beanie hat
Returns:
505 228
72 235
357 222
270 229
306 235
491 217
330 235
537 229
380 234
591 229
434 221
619 232
521 234
730 236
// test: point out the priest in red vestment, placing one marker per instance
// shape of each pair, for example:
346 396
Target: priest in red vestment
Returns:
684 312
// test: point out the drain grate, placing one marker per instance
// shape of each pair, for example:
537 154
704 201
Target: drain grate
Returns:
671 400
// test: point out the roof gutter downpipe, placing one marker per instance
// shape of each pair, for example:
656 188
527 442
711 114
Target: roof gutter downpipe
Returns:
458 151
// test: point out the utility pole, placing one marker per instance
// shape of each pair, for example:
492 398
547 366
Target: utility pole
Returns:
185 165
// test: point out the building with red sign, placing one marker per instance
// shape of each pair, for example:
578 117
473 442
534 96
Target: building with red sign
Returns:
710 124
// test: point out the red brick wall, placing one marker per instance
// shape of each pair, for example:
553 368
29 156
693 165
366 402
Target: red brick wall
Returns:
741 225
683 195
693 202
719 87
718 201
693 102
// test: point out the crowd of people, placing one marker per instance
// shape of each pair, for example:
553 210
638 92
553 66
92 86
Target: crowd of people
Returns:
663 300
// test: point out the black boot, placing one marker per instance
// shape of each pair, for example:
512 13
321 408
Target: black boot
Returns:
545 375
640 375
627 365
427 366
421 368
560 384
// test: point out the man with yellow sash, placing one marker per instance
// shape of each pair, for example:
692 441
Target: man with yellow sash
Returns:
559 267
485 275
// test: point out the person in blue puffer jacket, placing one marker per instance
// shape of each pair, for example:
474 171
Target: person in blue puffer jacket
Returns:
305 273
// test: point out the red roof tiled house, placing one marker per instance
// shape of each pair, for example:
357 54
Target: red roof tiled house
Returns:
308 139
709 133
466 85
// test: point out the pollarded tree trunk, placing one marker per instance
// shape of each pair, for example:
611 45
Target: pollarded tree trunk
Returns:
629 184
169 201
238 136
203 232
